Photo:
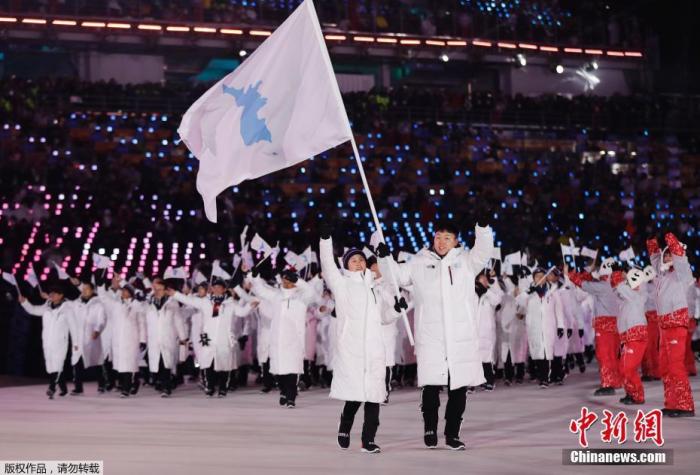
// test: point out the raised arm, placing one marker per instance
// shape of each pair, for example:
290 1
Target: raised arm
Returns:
33 310
680 261
203 305
331 273
479 255
262 290
654 253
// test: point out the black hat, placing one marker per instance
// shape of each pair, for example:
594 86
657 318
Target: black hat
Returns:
352 252
290 275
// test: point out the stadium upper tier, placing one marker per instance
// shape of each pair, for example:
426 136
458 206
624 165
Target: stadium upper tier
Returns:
557 22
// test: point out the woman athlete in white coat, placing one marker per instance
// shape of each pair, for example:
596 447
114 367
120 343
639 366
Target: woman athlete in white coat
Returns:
360 363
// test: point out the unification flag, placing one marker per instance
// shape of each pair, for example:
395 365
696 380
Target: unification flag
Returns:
101 262
280 107
217 271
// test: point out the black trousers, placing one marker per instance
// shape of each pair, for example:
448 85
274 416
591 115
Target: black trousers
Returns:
488 373
306 377
268 381
165 377
78 375
288 386
542 370
371 422
387 380
456 403
557 369
324 376
57 379
127 381
213 378
109 376
510 369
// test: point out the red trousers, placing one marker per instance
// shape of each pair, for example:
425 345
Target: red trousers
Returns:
689 355
672 348
650 363
632 355
607 345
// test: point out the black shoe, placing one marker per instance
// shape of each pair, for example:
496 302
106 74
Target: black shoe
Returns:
632 402
470 390
508 382
135 388
209 393
454 444
344 428
430 439
680 413
76 392
265 390
582 368
124 394
50 393
604 392
165 394
109 387
386 401
544 385
370 448
647 378
519 381
488 387
291 405
63 392
344 440
222 393
283 401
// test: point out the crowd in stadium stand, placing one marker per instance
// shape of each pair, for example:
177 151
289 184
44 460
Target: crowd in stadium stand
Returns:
128 172
550 20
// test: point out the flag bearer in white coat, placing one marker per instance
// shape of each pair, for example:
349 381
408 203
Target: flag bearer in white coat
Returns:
215 330
166 332
287 329
90 321
446 327
360 360
56 318
128 330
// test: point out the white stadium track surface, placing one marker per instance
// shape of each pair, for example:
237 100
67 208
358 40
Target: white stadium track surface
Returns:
519 430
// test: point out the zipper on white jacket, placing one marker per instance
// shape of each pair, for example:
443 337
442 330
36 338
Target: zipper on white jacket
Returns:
449 269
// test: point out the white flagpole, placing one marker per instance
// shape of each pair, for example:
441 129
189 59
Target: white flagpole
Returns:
378 225
261 261
38 284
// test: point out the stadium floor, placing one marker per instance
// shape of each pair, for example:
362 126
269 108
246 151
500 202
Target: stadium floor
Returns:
520 429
